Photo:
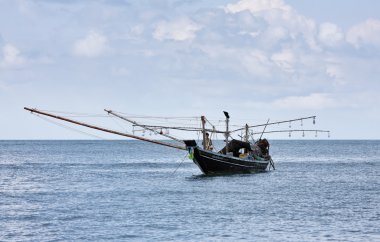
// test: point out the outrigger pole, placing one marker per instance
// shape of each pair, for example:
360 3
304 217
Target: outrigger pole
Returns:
186 128
264 129
231 131
294 130
141 125
103 129
280 122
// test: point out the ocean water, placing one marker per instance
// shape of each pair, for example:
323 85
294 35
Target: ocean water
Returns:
134 191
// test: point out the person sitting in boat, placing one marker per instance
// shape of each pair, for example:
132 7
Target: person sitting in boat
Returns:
260 150
264 146
208 141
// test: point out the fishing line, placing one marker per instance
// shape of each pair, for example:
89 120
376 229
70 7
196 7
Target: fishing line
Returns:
145 127
183 159
117 123
156 117
70 128
77 114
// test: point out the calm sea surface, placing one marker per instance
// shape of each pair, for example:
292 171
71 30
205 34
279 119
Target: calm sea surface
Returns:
134 191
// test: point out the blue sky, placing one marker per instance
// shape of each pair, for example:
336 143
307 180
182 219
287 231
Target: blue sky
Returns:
257 59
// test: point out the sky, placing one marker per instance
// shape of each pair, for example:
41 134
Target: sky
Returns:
277 59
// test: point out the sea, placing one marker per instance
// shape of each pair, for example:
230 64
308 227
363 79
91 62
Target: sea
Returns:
97 190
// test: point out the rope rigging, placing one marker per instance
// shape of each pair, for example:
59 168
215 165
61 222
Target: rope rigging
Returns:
104 129
236 156
193 124
279 122
69 128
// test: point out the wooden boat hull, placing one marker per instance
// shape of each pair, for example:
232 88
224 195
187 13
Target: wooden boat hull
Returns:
216 163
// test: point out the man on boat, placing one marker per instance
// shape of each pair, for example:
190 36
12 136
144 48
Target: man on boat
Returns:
260 150
208 141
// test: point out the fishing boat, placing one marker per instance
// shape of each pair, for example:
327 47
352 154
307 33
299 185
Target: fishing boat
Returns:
237 156
210 162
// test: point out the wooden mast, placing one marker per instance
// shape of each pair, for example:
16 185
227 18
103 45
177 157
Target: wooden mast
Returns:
246 136
246 133
203 119
227 134
103 129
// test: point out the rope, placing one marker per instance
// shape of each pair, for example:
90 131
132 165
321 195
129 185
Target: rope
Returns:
117 123
209 122
183 159
70 128
158 117
271 164
77 114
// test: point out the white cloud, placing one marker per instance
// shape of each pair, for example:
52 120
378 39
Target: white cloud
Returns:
334 71
276 33
365 33
93 45
11 57
243 61
281 17
330 34
313 101
257 6
285 60
179 30
254 61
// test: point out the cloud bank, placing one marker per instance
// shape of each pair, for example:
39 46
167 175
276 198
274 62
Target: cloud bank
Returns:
226 54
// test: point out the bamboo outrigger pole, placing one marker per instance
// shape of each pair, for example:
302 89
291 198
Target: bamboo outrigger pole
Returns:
280 122
294 130
103 129
264 130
